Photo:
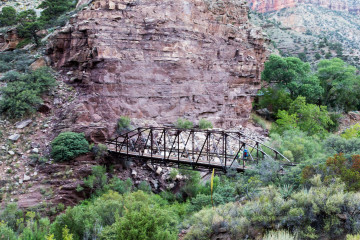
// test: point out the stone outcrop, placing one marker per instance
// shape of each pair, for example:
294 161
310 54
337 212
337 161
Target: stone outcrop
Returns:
9 40
159 60
352 6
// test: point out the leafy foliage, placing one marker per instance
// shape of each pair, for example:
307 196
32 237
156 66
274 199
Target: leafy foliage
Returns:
123 123
205 124
131 216
275 99
294 75
310 212
68 145
22 95
7 16
184 124
352 132
54 8
340 83
309 118
28 26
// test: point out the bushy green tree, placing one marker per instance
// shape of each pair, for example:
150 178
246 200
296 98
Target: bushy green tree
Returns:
6 233
54 8
7 16
19 99
352 132
294 75
28 26
144 220
113 216
22 95
341 84
274 99
68 145
309 118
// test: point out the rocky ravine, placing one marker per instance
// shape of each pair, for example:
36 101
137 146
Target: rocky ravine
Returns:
263 6
158 60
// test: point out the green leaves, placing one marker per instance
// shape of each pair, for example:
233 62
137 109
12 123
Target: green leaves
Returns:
7 16
22 95
293 75
54 8
68 145
341 85
309 118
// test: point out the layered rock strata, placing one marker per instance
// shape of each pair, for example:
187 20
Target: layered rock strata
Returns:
352 6
159 60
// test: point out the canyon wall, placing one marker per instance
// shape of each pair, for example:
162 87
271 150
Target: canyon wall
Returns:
352 6
159 60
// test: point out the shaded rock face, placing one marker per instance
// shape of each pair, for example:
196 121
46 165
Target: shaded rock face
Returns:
159 60
352 6
9 41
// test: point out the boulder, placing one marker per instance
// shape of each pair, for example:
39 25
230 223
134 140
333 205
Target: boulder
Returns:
14 137
23 124
159 170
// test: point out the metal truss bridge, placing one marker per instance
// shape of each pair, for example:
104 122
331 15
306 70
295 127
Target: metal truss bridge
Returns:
199 149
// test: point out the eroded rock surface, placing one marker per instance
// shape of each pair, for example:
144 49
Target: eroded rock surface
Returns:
159 60
352 6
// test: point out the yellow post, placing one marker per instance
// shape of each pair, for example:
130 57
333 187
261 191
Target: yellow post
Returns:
211 186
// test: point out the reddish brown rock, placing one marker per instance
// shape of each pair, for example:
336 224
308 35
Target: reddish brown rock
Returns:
159 60
9 41
264 6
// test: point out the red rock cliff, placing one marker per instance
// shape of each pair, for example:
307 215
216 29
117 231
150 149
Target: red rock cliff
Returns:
159 60
263 6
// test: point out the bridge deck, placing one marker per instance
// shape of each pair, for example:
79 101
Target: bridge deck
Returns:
176 161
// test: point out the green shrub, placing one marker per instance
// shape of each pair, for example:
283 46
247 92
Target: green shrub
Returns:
279 235
68 145
274 100
309 118
11 76
6 233
10 215
28 26
4 66
310 212
7 16
19 99
335 144
183 124
352 132
299 145
144 186
123 123
205 124
97 180
143 221
100 151
53 9
113 216
353 237
22 96
120 186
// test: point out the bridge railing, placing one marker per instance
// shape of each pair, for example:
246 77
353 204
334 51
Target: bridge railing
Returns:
195 147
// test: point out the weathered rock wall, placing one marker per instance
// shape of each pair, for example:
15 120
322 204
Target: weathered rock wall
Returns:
159 60
352 6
